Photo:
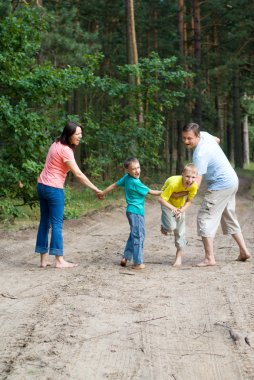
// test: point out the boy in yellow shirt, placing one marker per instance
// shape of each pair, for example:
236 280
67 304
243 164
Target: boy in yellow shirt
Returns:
177 194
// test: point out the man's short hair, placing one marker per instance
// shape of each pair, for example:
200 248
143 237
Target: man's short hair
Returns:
192 127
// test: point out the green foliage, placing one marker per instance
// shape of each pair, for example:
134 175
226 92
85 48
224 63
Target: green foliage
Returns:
65 43
117 132
31 94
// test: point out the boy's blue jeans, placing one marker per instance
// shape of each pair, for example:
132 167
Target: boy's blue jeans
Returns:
135 243
52 212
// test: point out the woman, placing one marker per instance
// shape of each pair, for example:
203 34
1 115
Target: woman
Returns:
60 160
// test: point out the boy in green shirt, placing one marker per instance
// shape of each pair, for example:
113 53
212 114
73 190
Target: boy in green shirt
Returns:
176 197
135 193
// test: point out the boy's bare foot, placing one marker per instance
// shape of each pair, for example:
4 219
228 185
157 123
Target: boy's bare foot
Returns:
206 263
123 262
138 266
243 256
64 264
164 231
178 260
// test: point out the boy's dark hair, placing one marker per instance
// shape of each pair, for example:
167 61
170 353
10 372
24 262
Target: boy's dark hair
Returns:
129 161
192 127
68 131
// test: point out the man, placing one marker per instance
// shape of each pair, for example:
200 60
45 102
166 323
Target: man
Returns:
218 205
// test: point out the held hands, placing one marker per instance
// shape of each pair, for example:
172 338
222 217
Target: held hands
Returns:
100 194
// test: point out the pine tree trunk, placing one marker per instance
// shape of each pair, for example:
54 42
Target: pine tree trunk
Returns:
197 60
246 148
180 123
238 141
133 50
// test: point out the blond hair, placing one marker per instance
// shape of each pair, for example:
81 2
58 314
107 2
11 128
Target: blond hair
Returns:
190 166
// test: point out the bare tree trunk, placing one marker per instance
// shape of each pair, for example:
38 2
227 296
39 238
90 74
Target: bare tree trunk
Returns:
166 144
238 141
180 122
131 37
221 117
133 50
246 148
197 57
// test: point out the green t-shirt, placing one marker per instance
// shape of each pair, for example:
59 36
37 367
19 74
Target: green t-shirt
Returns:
135 193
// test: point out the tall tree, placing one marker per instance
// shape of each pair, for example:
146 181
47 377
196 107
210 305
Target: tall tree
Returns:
133 51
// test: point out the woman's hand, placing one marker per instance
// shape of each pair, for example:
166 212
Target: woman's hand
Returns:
100 194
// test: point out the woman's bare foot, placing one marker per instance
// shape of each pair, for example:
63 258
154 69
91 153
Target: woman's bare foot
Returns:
206 263
243 256
138 266
44 261
123 262
48 264
61 264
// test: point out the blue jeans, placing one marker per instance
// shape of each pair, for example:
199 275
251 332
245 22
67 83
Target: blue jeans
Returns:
52 212
135 243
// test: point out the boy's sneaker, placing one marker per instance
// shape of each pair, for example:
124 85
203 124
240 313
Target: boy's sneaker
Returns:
123 262
164 231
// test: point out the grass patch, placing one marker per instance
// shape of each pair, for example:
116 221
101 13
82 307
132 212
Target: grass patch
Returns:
80 201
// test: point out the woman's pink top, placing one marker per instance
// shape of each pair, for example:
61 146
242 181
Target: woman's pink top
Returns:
55 170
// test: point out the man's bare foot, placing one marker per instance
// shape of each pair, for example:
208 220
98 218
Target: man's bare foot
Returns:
164 231
243 256
177 263
123 262
206 263
64 264
138 266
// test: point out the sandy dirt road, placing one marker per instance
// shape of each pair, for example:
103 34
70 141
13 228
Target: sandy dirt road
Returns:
101 321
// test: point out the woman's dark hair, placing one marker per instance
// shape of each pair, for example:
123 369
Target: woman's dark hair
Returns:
68 131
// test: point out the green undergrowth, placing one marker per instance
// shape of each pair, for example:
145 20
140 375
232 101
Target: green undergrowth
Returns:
248 172
80 201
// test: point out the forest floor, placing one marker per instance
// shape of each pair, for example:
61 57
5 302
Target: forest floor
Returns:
102 321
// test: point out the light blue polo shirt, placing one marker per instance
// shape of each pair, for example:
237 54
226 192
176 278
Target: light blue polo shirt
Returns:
135 193
212 162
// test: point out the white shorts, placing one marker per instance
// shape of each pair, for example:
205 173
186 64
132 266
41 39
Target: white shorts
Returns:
218 206
176 225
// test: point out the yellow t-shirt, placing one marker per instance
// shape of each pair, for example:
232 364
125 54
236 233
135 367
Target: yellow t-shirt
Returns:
174 184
